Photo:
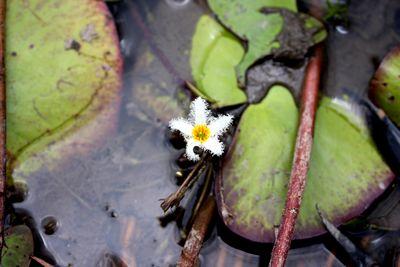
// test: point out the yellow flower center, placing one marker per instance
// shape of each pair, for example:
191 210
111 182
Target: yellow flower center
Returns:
201 133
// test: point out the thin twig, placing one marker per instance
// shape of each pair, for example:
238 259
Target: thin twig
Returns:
301 160
175 198
200 201
2 122
194 242
41 262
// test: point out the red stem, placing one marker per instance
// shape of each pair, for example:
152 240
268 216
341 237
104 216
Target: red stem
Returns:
195 239
301 160
2 121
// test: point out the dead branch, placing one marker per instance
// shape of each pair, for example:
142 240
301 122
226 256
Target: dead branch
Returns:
194 242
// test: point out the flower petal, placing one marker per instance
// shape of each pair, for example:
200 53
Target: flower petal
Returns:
199 111
214 146
220 124
182 125
191 143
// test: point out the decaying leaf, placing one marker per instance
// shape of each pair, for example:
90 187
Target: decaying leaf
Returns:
63 71
385 85
346 171
271 28
262 77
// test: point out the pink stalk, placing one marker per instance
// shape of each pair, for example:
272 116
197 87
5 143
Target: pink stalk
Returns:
301 160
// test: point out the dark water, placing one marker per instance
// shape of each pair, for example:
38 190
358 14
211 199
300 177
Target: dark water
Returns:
104 208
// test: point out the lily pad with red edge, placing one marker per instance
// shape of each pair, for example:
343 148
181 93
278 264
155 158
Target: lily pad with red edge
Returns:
63 76
346 171
18 246
385 85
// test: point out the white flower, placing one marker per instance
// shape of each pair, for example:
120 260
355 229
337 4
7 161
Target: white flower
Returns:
201 129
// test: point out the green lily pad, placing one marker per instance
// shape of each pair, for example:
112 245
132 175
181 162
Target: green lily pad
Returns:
385 85
18 248
271 28
346 171
214 54
63 76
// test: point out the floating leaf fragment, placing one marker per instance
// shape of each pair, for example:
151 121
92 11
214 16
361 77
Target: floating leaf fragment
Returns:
346 172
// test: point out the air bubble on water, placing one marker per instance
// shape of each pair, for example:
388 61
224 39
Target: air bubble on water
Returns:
49 225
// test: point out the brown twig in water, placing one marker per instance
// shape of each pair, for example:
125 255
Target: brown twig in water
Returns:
2 122
41 262
175 198
301 160
194 242
205 191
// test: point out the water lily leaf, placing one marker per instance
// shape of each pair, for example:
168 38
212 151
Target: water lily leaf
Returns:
214 55
220 84
100 201
385 85
63 69
207 33
270 28
18 248
346 171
